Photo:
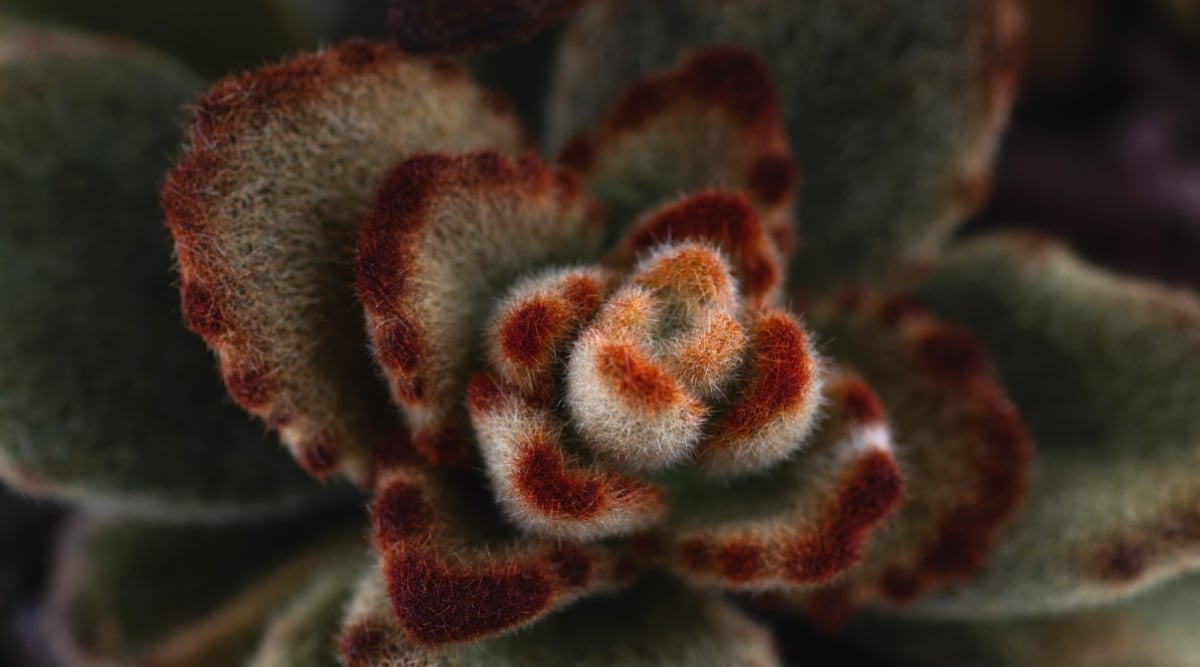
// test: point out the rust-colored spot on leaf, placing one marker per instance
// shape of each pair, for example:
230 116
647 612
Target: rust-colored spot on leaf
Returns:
783 367
527 332
724 219
773 179
636 379
437 605
952 354
867 494
400 512
740 562
544 482
572 565
202 310
250 387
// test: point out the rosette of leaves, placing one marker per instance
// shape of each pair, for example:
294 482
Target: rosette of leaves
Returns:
590 401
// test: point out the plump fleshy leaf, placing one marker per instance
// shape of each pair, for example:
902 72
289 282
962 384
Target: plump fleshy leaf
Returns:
445 237
304 632
658 623
152 593
713 121
278 175
892 109
1154 629
103 396
802 522
961 444
250 30
1106 371
454 573
456 26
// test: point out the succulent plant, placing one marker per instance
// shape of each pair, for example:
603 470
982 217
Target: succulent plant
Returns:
597 406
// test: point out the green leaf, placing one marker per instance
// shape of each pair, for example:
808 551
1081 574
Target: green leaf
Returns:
1106 371
104 396
1154 629
892 108
145 592
279 172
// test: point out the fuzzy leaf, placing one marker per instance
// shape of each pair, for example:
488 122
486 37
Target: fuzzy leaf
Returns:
456 26
104 397
443 240
304 633
264 205
1106 371
713 121
961 444
656 624
800 523
1154 629
132 591
885 181
454 573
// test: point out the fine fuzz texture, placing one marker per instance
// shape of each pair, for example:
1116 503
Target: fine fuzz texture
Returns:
655 624
278 174
444 238
713 121
803 522
884 182
103 398
960 442
1106 370
454 573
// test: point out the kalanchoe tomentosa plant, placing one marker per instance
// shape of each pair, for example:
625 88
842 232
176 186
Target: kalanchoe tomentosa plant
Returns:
593 401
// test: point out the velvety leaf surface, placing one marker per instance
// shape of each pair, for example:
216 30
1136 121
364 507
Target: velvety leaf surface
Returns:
656 623
961 444
104 396
1106 372
278 175
892 109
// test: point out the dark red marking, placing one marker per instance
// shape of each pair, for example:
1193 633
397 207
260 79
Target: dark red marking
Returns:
952 354
635 379
544 482
529 333
859 403
725 219
696 554
740 562
401 512
773 179
256 94
781 369
866 495
319 456
436 604
572 565
729 78
201 310
250 387
484 393
443 445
